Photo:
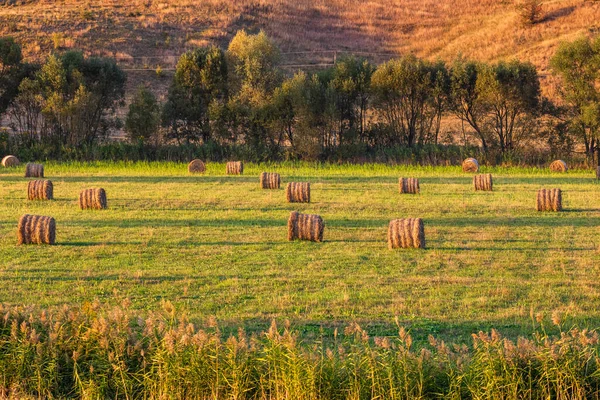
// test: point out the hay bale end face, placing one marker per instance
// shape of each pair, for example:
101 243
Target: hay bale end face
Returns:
409 186
10 161
298 192
549 200
470 165
305 227
558 166
36 229
34 170
94 199
40 190
196 167
270 180
406 233
483 182
235 168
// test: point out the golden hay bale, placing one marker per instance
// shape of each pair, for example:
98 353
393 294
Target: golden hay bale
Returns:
40 190
470 165
483 182
196 167
235 168
10 161
298 192
36 229
406 233
409 185
549 200
92 199
270 180
305 227
558 166
34 170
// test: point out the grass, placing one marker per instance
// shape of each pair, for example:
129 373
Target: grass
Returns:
215 246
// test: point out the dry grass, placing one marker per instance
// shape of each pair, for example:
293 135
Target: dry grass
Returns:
34 170
549 200
483 182
558 166
270 180
36 229
234 168
408 185
10 161
406 233
40 190
470 165
93 199
196 167
305 227
298 192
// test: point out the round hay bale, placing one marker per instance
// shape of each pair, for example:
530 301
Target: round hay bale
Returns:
33 170
470 165
549 200
36 229
406 233
94 199
196 167
305 227
298 192
40 190
483 182
234 168
270 180
558 166
10 161
409 186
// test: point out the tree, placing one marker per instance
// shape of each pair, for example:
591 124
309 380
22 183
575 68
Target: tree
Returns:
11 70
143 118
530 11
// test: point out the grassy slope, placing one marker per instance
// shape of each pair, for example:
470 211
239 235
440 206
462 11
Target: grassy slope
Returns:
216 245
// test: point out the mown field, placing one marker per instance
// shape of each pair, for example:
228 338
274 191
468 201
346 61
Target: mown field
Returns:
216 245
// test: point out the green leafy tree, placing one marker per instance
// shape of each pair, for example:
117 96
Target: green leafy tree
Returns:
11 71
143 118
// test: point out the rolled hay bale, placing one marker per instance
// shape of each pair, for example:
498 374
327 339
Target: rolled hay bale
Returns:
470 165
483 182
36 229
298 192
549 200
40 190
196 167
558 166
270 180
406 233
34 170
409 186
92 199
10 161
305 227
235 168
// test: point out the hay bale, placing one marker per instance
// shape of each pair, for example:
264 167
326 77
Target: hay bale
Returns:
10 161
40 190
470 165
549 200
483 182
406 233
298 192
34 170
235 168
305 227
558 166
36 229
409 186
270 180
92 199
196 167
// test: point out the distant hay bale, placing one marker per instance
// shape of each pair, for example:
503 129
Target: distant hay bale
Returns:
470 165
235 168
406 233
34 170
409 185
40 190
270 180
558 166
36 229
196 167
298 192
483 182
10 161
305 227
549 200
92 199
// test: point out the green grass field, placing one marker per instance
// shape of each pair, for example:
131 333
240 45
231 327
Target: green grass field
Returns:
216 245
